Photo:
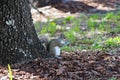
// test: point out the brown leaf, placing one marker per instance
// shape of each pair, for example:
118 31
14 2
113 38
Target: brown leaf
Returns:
61 70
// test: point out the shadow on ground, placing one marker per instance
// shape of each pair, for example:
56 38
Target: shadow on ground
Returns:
79 6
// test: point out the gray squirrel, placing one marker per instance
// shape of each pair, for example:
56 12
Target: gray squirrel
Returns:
53 46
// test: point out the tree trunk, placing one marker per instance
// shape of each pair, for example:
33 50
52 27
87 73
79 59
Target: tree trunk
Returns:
18 39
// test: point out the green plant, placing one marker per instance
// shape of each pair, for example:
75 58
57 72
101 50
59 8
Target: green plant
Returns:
10 72
118 27
95 16
104 27
101 26
115 30
75 29
76 25
87 41
113 41
91 24
51 28
109 15
118 15
97 45
66 48
112 78
70 36
69 18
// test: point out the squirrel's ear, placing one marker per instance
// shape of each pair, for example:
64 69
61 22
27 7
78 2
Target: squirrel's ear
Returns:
62 36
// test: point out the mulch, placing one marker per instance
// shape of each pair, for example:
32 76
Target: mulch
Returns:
79 65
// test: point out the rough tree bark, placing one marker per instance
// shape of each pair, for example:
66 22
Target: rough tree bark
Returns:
18 39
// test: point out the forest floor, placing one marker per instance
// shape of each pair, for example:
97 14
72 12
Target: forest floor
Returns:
74 65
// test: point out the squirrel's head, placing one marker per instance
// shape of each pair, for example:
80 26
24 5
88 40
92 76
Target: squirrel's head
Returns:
62 40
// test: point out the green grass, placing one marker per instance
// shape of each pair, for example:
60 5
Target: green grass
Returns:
10 72
91 24
97 34
109 15
113 41
69 18
70 36
112 78
50 28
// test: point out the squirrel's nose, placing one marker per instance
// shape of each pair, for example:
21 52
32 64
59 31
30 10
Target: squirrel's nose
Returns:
67 42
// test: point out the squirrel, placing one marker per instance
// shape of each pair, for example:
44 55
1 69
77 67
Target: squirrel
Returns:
53 46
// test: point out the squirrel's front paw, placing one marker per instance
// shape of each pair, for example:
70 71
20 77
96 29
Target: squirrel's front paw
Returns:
58 57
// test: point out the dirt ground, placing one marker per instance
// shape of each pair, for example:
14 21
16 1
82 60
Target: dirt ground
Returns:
75 9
